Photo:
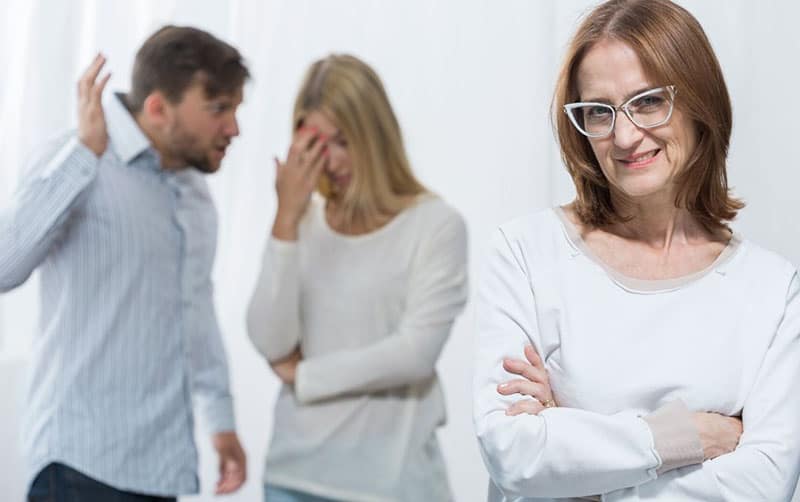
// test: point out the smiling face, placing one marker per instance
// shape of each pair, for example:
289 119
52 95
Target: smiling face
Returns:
638 163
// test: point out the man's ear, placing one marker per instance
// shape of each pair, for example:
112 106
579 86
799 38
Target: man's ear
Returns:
157 109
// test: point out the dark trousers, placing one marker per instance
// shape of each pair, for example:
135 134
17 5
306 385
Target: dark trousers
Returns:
59 483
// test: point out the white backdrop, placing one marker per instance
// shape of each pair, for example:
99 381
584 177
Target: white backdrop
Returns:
471 83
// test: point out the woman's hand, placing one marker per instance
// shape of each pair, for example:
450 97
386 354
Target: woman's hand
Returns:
535 384
296 179
719 434
286 368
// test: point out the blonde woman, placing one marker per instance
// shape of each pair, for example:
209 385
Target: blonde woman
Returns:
661 349
359 289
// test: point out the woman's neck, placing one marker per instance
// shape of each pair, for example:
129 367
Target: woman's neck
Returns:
339 219
656 222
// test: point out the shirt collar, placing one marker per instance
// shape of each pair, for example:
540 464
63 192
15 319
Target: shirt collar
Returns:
128 139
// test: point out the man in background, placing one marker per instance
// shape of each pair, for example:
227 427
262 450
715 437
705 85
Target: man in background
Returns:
118 218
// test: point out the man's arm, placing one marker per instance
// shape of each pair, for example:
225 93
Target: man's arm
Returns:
39 210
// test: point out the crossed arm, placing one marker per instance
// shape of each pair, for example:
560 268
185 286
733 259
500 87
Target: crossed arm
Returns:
561 452
436 295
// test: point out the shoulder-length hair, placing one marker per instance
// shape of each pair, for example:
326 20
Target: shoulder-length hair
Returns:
352 96
674 50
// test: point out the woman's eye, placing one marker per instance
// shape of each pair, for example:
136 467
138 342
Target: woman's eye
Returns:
648 102
598 112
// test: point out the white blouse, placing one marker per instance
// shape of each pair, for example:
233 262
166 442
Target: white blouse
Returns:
725 340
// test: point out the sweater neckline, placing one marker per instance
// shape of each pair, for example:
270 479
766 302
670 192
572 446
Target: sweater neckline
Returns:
645 286
385 228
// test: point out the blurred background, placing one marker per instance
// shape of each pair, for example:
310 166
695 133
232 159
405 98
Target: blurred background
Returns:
471 82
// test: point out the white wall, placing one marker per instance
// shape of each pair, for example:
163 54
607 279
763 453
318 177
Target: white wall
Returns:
471 84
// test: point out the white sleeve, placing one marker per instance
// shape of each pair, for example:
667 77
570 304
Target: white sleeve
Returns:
561 452
436 296
273 317
766 463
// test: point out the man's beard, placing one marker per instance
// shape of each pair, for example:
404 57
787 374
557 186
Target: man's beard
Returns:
184 146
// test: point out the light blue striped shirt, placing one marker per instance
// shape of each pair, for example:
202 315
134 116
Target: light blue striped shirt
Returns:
128 334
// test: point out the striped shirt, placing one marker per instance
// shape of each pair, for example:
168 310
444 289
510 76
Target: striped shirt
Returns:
128 333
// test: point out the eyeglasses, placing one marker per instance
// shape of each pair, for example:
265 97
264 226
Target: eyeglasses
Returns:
646 110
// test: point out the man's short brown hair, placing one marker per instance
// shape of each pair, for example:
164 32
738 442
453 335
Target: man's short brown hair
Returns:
175 57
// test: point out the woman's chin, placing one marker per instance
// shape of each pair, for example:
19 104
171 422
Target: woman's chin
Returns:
643 186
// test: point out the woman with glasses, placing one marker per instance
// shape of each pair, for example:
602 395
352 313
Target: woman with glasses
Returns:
360 285
630 346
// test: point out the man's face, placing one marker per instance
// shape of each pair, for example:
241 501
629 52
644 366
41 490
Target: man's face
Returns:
199 128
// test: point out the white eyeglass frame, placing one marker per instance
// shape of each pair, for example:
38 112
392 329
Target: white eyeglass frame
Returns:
624 109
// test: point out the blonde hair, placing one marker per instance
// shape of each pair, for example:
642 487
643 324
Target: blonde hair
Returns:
674 50
351 94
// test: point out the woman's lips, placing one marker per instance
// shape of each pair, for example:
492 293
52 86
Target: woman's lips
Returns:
640 160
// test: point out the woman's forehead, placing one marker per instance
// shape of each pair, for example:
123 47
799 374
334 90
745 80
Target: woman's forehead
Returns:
610 70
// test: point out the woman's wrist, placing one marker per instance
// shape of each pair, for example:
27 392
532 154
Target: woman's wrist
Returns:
285 227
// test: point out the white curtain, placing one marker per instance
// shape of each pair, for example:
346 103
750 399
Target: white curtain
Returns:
471 83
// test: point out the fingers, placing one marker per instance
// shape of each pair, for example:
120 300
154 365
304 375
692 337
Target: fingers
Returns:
533 357
302 141
286 367
309 159
308 147
232 463
315 153
89 77
736 426
525 369
316 168
231 482
526 388
529 406
535 384
224 484
232 477
97 91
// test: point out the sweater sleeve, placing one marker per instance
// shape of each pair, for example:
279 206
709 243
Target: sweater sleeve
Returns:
561 452
436 295
766 463
40 208
273 317
676 439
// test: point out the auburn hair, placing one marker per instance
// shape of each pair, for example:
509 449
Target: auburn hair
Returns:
673 50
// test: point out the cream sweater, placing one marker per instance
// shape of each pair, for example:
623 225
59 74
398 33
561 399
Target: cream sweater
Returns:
621 354
371 314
